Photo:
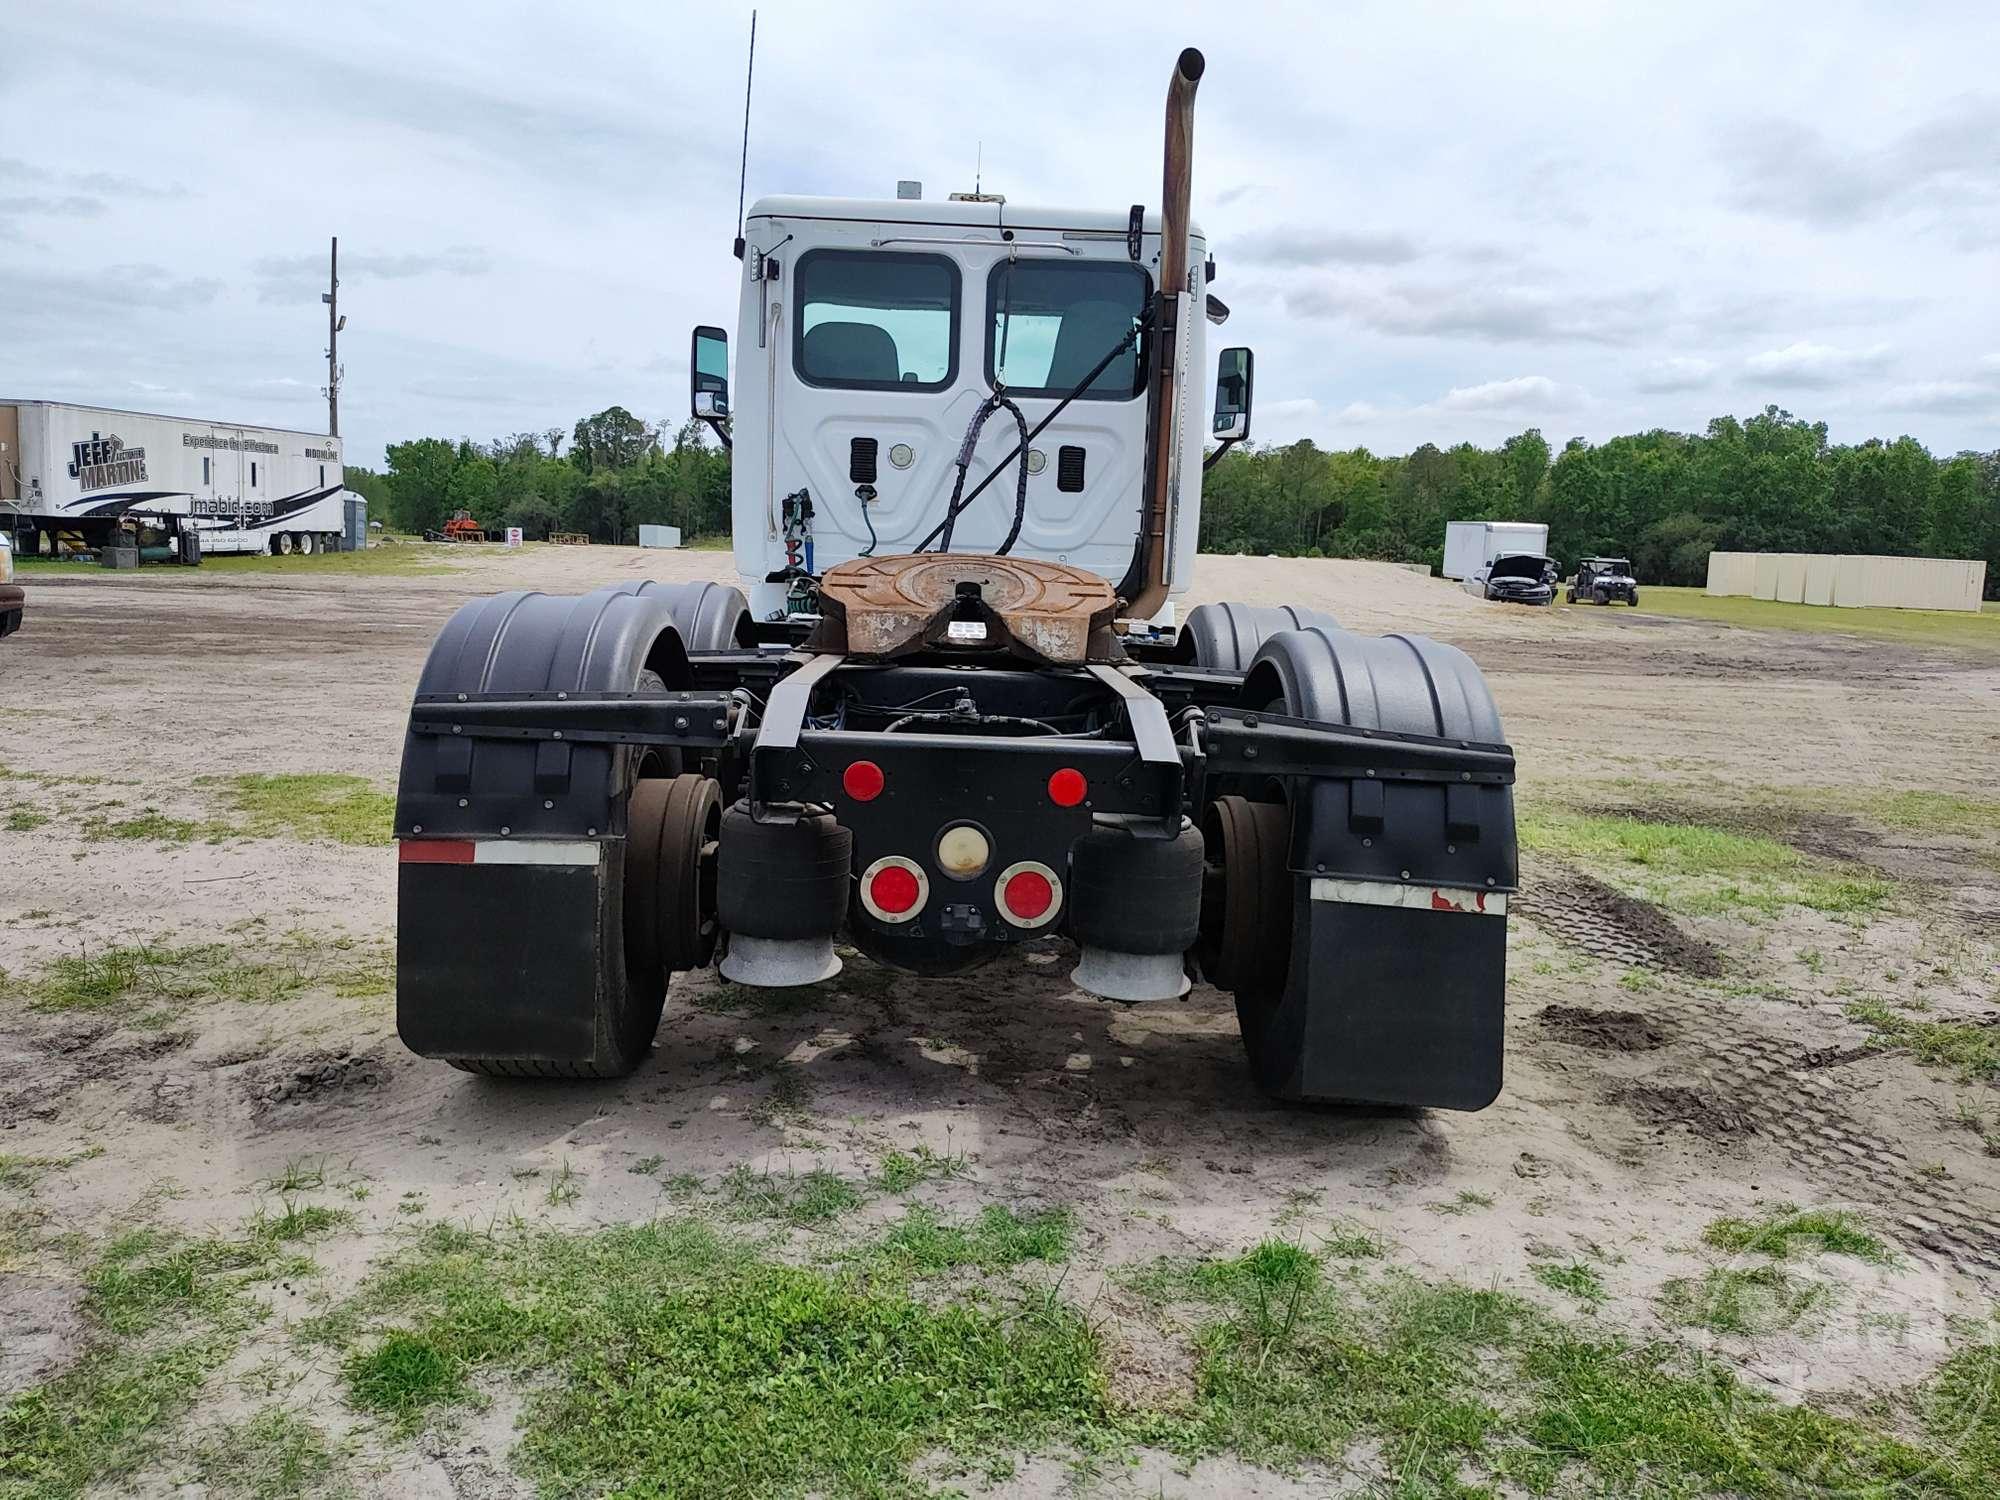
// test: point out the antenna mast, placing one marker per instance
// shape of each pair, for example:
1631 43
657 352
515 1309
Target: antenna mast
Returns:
743 167
331 297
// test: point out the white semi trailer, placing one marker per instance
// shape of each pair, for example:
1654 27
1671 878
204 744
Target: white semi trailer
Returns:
84 472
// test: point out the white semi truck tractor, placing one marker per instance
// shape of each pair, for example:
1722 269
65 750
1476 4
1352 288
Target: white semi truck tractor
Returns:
955 704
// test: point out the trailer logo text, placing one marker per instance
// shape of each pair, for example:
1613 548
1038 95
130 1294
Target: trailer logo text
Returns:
99 461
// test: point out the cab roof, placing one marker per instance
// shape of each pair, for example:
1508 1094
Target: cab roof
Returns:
947 214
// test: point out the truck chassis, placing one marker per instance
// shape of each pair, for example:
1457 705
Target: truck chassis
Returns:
596 791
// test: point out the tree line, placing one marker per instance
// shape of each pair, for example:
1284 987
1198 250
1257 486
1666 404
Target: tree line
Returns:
1771 483
616 474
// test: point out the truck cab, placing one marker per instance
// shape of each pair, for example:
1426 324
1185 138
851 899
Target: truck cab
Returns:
870 332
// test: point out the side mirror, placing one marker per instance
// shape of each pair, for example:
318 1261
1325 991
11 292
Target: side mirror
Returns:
708 375
1234 378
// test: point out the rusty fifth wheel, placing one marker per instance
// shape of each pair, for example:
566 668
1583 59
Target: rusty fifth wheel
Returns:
672 826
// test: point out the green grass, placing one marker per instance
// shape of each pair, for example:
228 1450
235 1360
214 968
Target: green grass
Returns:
323 808
163 1313
405 1375
317 808
1785 1229
666 1360
1699 870
408 561
272 1454
1923 627
1452 1386
1971 1051
130 978
21 1173
25 820
1747 1300
900 1171
810 1200
1577 1279
997 1239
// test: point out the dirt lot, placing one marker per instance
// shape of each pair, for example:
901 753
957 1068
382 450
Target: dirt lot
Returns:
1755 965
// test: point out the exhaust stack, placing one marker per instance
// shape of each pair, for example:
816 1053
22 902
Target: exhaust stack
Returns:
1149 574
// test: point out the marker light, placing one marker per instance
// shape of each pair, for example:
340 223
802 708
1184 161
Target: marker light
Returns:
1067 787
862 780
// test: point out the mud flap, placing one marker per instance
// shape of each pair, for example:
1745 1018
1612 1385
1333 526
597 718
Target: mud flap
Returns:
510 906
1405 994
1402 860
506 962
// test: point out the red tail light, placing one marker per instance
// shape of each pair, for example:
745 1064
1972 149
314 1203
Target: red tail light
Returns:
1067 787
1030 895
894 889
862 780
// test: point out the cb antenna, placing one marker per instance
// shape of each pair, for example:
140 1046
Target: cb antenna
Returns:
743 167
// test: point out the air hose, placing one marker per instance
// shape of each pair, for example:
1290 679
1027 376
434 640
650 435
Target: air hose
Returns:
987 407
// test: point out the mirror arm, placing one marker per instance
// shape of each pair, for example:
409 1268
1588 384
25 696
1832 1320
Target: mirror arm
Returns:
720 427
1210 460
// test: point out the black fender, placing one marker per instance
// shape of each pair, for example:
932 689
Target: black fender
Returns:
1226 637
709 616
518 965
1397 980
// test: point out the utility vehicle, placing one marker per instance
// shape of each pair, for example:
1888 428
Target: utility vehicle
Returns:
1601 580
956 706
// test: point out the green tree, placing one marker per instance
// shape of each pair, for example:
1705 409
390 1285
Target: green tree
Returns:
613 439
419 481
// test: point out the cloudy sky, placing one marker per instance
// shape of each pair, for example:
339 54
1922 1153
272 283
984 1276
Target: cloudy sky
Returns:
1433 222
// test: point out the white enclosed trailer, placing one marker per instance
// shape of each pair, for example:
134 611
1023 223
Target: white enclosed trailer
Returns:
1470 546
83 470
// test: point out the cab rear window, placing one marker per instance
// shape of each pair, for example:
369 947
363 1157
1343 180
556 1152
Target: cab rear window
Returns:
1048 323
875 320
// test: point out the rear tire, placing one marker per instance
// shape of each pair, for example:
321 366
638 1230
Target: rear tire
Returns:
281 544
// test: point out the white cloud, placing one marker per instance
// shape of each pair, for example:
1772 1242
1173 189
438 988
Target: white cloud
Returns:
1945 396
524 244
1676 373
1815 366
1523 395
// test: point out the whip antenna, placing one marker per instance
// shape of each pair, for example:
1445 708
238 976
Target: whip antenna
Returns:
743 167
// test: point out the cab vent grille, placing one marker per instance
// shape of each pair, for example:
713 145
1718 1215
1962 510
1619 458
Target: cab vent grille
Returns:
1069 468
861 460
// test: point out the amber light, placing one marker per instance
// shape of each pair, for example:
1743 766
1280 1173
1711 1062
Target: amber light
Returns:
862 780
1067 787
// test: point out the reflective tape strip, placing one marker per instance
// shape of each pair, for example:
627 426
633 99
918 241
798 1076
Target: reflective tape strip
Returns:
536 852
1421 897
499 852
